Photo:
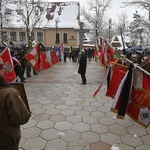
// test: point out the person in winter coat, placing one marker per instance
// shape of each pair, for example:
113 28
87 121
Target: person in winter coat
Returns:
82 66
13 113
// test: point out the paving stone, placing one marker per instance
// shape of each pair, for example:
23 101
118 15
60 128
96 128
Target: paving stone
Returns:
117 129
83 103
90 120
62 107
53 112
143 147
97 114
31 123
107 121
125 147
63 125
40 117
31 132
129 139
99 128
100 146
103 109
90 137
82 113
34 144
146 139
67 112
70 103
139 131
56 145
38 111
90 108
81 127
50 134
57 118
124 122
45 124
73 119
110 138
70 136
76 108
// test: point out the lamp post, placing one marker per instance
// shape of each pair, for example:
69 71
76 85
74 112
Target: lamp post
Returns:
110 21
57 36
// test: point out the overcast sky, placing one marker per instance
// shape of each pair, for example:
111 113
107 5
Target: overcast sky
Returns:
115 9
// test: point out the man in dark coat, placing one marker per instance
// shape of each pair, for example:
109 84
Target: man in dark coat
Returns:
82 66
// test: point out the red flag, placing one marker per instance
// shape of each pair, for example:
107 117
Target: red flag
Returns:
45 60
139 104
111 55
54 57
9 74
34 56
123 94
118 74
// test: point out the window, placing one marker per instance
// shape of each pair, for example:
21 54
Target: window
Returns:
13 36
65 40
32 36
40 36
7 11
4 36
22 36
57 40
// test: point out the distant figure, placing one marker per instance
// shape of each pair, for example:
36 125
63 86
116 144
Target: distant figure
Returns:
82 66
13 113
65 54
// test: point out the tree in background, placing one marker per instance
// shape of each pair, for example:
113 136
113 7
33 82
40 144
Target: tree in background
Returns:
144 28
94 16
138 30
28 11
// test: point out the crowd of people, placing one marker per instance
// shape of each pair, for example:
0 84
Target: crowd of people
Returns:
74 53
142 58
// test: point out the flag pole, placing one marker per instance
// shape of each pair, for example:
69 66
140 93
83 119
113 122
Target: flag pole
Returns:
146 72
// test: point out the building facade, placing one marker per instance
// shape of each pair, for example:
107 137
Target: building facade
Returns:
51 23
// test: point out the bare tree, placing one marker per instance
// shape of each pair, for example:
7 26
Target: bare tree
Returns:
94 16
30 13
144 4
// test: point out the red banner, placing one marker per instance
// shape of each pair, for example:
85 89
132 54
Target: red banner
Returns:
139 104
34 56
118 74
9 74
45 60
54 57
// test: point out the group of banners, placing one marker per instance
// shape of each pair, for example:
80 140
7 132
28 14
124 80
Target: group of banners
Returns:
40 60
128 86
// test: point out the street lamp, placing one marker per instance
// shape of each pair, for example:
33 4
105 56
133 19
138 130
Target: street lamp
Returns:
110 21
57 34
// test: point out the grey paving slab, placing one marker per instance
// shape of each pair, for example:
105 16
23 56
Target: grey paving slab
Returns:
66 116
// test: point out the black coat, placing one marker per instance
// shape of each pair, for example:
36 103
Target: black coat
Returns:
82 64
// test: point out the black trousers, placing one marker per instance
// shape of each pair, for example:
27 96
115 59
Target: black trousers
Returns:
83 77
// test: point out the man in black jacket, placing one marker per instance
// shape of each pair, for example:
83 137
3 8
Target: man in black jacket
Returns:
82 66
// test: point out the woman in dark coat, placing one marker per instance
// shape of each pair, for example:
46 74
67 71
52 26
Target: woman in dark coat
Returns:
82 66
